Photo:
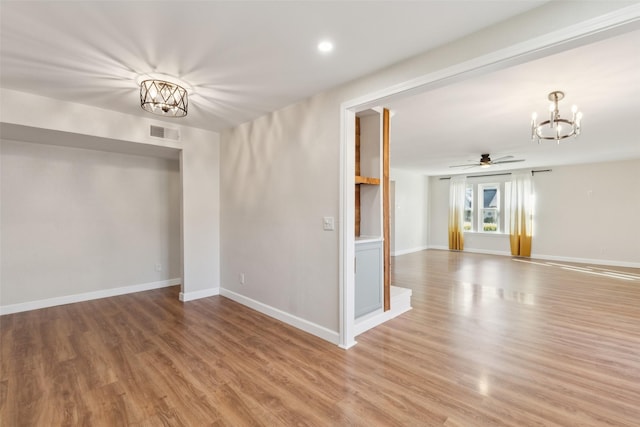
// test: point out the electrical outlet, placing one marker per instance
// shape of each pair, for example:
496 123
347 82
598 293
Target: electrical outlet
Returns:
241 278
158 266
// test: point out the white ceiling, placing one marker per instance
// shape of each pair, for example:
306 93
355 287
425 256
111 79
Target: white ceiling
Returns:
492 113
247 58
243 58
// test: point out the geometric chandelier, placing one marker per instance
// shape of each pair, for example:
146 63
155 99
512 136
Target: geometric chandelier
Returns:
556 128
163 98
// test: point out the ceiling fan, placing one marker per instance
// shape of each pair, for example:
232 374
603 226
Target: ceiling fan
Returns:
485 161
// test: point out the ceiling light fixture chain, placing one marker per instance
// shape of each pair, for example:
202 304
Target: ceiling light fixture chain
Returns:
556 128
163 98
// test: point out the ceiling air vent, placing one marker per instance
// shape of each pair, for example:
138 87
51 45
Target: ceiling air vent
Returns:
166 133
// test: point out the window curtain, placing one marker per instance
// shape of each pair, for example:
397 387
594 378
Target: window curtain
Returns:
521 214
457 187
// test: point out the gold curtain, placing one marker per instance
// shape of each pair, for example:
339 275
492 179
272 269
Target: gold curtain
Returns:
457 188
521 214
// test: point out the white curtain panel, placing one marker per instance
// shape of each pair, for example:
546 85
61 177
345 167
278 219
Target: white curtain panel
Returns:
457 187
521 214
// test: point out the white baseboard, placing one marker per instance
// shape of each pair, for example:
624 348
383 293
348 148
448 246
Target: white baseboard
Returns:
400 303
190 296
86 296
348 346
408 251
297 322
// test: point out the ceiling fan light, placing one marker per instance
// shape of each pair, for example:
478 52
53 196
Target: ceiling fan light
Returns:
486 162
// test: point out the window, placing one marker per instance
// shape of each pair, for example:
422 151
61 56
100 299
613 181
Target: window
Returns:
468 208
489 213
484 207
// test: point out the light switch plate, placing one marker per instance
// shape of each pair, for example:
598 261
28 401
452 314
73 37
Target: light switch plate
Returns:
327 223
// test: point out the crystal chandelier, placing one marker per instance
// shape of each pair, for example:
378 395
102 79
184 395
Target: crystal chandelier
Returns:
163 98
556 128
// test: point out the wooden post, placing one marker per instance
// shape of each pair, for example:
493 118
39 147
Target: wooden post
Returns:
357 196
385 209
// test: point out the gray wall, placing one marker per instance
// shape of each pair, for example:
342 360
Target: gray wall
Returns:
76 221
411 214
33 118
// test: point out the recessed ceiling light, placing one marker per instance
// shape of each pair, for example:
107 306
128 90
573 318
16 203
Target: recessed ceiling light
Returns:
325 46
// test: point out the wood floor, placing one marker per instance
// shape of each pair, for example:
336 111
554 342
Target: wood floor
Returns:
490 341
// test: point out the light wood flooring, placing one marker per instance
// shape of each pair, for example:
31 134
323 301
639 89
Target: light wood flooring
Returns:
491 341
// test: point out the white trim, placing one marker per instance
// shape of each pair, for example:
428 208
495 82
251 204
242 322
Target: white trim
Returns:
400 303
86 296
204 293
409 251
346 262
297 322
547 44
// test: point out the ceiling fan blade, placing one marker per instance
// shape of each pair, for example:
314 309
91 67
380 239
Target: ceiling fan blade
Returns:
507 161
468 165
502 158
